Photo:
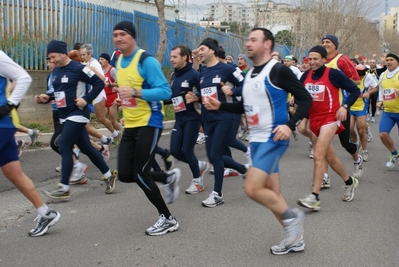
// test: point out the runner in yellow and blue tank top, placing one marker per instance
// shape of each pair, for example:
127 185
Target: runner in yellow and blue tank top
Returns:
358 110
142 88
9 161
388 98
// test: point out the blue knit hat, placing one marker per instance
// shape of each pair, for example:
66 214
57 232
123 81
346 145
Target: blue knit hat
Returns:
332 38
56 46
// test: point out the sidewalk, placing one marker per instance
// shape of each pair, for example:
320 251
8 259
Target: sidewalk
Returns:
46 137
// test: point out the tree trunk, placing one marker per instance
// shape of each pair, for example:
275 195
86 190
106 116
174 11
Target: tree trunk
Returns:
163 30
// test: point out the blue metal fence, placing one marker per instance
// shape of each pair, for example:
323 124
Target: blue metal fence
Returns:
29 25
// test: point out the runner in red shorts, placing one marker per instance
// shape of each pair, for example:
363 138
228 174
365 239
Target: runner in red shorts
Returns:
110 83
325 118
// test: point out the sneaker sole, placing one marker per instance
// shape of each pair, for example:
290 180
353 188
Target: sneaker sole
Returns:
64 198
325 186
54 221
213 205
315 208
195 192
171 229
231 175
299 248
83 180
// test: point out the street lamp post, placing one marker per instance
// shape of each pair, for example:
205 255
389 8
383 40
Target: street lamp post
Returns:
146 5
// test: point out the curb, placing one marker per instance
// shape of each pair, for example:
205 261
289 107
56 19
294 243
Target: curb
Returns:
46 137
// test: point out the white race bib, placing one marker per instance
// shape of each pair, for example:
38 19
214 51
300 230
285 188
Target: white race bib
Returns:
60 99
209 92
316 91
388 94
178 104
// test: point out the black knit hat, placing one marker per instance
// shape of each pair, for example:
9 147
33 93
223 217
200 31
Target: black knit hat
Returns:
56 46
394 56
319 49
106 57
126 26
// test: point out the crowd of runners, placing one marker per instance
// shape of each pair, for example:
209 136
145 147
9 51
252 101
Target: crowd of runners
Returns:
323 95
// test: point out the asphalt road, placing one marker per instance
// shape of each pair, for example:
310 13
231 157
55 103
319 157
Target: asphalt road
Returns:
108 230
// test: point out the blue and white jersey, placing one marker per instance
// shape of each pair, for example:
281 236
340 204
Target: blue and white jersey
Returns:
265 105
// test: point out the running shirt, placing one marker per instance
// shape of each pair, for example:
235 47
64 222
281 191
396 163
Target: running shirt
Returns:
344 64
110 77
265 97
11 70
367 81
338 80
324 94
142 72
182 81
389 83
210 86
66 82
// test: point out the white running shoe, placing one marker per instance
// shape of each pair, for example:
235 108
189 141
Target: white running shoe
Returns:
213 200
358 168
195 188
203 167
392 160
163 225
172 188
106 153
78 170
326 181
293 240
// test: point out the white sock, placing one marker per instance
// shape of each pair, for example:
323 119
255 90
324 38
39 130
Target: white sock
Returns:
104 139
64 187
197 180
107 174
77 163
115 134
43 210
30 131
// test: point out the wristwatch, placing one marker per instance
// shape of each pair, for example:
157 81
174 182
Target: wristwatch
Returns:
134 93
345 106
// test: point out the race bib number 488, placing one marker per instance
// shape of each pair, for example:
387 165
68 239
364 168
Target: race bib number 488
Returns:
316 91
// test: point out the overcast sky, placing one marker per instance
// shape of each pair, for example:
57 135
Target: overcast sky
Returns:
197 8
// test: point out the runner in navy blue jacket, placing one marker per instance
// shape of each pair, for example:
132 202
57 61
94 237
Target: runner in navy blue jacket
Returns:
74 114
217 123
188 121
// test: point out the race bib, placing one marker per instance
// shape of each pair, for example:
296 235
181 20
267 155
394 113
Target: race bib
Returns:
389 94
129 102
316 91
209 92
178 104
252 115
60 99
